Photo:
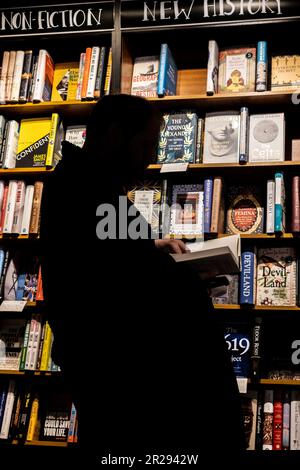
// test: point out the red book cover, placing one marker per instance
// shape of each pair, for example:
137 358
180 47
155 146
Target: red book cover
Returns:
278 419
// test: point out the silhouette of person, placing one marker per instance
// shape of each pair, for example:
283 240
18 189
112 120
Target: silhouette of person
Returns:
135 334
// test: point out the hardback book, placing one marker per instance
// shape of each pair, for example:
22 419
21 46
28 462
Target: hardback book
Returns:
217 206
26 76
200 141
270 207
44 77
90 91
101 72
212 68
9 76
221 140
267 138
56 136
256 347
55 417
167 72
3 75
296 204
17 76
286 421
33 142
27 210
10 399
86 72
227 292
108 74
268 420
245 211
249 414
76 134
295 420
178 138
65 81
248 276
280 204
276 276
278 420
11 342
213 257
80 75
10 206
145 76
36 208
187 210
10 144
146 197
19 207
237 70
208 197
238 344
285 73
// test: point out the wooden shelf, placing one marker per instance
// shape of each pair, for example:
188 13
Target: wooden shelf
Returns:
268 98
204 166
46 443
25 171
29 372
66 108
255 307
252 236
279 382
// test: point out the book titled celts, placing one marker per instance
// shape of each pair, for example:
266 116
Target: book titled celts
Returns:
267 138
285 73
178 138
276 277
237 69
221 137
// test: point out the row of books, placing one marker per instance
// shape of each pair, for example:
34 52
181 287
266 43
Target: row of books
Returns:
27 76
20 207
222 137
272 419
211 207
26 344
246 69
36 415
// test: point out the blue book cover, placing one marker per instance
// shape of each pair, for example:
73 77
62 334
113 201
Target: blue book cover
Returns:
177 143
208 193
3 395
2 257
21 286
167 74
238 345
247 276
279 224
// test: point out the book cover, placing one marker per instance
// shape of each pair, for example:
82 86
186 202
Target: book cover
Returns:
76 134
268 420
267 138
167 73
238 345
145 76
177 143
65 81
187 210
237 70
11 342
249 415
147 199
245 211
33 142
212 68
276 276
285 73
221 138
248 276
228 292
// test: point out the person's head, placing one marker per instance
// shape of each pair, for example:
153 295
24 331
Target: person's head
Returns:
122 135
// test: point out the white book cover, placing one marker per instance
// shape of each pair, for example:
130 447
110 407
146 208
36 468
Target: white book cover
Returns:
15 90
29 351
10 399
295 421
270 209
212 68
80 76
145 76
267 138
19 207
3 76
36 343
40 76
11 145
221 137
187 210
76 135
27 210
10 74
93 72
10 206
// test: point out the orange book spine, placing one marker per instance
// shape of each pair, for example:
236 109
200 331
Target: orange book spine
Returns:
86 72
39 289
36 208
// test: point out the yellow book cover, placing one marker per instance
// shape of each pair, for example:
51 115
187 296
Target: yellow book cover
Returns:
33 420
46 347
285 73
65 81
33 142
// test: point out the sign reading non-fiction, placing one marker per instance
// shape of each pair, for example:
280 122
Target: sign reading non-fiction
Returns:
151 14
56 19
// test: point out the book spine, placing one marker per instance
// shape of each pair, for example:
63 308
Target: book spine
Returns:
277 423
10 73
11 145
71 433
52 138
39 289
212 68
25 346
286 421
2 279
15 90
295 421
100 73
262 67
25 78
3 209
2 133
248 277
199 141
10 207
8 410
27 210
19 207
32 77
244 136
33 420
48 78
46 347
259 422
39 358
107 82
208 196
87 62
21 286
270 219
39 80
36 342
216 211
295 226
3 75
268 418
279 224
162 71
256 348
36 208
3 395
29 351
80 76
93 72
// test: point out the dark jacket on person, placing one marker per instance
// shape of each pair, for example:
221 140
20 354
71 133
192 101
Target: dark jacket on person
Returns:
135 335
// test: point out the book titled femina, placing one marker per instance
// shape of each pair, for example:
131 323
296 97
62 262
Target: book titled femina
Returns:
276 277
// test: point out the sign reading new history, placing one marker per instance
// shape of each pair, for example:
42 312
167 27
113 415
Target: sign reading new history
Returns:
56 19
152 14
